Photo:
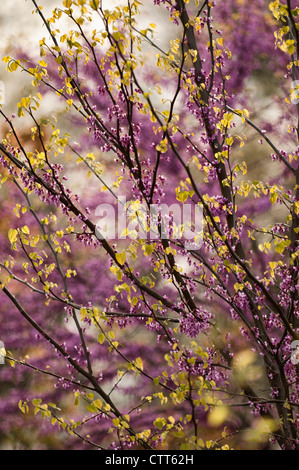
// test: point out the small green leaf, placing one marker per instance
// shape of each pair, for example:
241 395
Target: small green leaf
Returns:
94 4
101 338
12 235
121 257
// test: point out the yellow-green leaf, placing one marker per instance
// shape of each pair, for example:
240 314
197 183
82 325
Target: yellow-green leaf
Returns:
121 257
12 235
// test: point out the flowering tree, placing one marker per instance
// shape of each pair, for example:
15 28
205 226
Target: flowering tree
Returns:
177 337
